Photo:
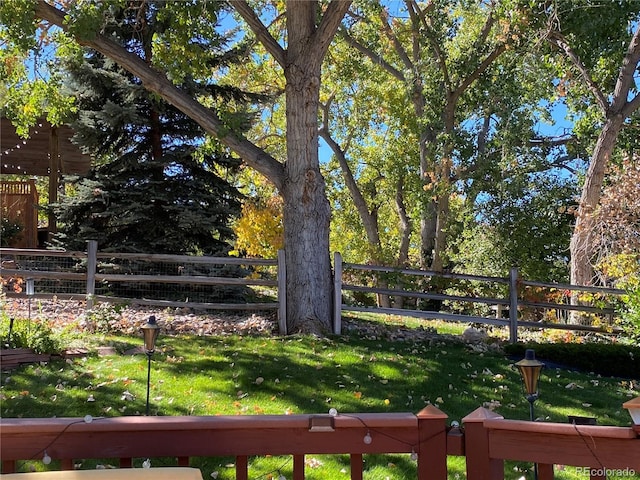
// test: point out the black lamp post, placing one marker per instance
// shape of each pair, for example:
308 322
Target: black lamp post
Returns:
530 369
150 331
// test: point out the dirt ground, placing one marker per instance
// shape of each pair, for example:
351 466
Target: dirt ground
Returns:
128 320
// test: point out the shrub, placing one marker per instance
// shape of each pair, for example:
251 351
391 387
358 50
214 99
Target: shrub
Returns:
615 360
36 335
104 318
623 270
630 315
10 230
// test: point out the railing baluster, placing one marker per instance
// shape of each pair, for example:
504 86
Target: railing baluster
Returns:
356 466
298 467
545 471
242 467
8 466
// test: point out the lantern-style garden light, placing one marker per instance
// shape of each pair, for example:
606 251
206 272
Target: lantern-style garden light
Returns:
633 406
150 331
530 370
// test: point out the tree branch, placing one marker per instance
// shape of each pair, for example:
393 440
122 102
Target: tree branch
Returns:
158 83
414 10
559 41
499 50
373 56
368 218
324 131
261 32
631 106
391 36
331 20
625 77
551 141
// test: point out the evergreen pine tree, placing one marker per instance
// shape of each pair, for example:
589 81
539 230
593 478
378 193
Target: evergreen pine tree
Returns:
157 183
154 188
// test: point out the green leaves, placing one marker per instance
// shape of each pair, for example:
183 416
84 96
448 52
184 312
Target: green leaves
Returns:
86 19
187 43
29 88
18 23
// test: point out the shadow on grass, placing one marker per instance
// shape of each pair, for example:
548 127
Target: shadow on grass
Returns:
277 375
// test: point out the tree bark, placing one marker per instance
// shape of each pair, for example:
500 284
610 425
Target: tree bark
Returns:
405 236
581 245
616 112
307 212
306 209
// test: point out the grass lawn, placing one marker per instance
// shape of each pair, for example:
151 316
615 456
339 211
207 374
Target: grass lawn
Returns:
254 375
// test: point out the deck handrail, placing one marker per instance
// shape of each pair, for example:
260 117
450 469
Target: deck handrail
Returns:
486 440
490 440
182 437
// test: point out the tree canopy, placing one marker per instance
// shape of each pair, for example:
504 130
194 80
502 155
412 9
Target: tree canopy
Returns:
432 111
310 27
156 185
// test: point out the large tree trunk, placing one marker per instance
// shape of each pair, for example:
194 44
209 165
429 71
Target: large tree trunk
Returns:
440 244
428 210
405 237
623 104
581 244
306 212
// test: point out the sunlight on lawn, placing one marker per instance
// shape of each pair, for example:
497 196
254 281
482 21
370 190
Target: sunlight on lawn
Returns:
254 375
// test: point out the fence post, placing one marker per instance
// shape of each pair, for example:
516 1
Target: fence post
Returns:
92 265
432 449
480 466
282 293
513 305
337 293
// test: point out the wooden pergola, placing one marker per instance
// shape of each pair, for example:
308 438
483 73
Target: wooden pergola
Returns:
47 152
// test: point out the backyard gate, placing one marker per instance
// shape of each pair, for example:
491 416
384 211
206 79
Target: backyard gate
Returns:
19 203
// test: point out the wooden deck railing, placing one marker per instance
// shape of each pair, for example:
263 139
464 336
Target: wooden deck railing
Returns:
486 439
490 439
182 437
